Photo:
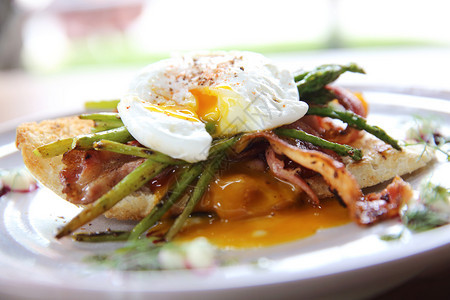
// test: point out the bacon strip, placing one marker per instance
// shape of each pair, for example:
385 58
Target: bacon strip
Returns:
291 175
348 100
89 174
333 171
386 204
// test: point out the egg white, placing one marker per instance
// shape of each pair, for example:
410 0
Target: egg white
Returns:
252 94
175 137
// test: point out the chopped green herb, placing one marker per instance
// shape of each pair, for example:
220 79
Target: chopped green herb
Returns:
431 210
150 254
426 132
421 218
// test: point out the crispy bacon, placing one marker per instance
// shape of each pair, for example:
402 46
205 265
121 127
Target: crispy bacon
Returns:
386 204
291 175
348 100
333 172
89 174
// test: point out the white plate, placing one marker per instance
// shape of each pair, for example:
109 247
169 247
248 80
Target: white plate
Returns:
343 262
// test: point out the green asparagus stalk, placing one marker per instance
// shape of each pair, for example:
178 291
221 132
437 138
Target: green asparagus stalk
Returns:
202 185
100 237
101 105
103 121
87 141
105 145
343 150
54 149
102 116
354 121
132 182
312 81
185 179
320 97
102 126
82 142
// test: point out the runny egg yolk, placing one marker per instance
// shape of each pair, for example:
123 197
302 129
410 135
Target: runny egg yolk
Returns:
251 208
241 192
207 105
206 108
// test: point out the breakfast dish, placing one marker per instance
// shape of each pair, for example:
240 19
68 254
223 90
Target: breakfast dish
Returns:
190 120
350 260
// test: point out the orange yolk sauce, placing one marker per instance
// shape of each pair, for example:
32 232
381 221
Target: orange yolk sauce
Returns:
251 208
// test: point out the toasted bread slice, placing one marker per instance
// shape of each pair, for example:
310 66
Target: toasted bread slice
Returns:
46 170
380 163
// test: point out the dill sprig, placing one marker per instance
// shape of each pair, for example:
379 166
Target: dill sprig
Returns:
431 210
426 132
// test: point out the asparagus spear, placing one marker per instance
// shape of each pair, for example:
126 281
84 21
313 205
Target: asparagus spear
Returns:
355 121
103 121
87 141
102 126
104 104
175 193
98 237
82 142
202 184
103 116
105 145
54 149
108 145
320 97
132 182
343 150
316 79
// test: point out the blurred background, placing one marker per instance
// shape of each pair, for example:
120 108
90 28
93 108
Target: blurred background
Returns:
56 53
55 35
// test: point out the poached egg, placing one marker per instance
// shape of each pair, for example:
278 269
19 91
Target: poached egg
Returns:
169 104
